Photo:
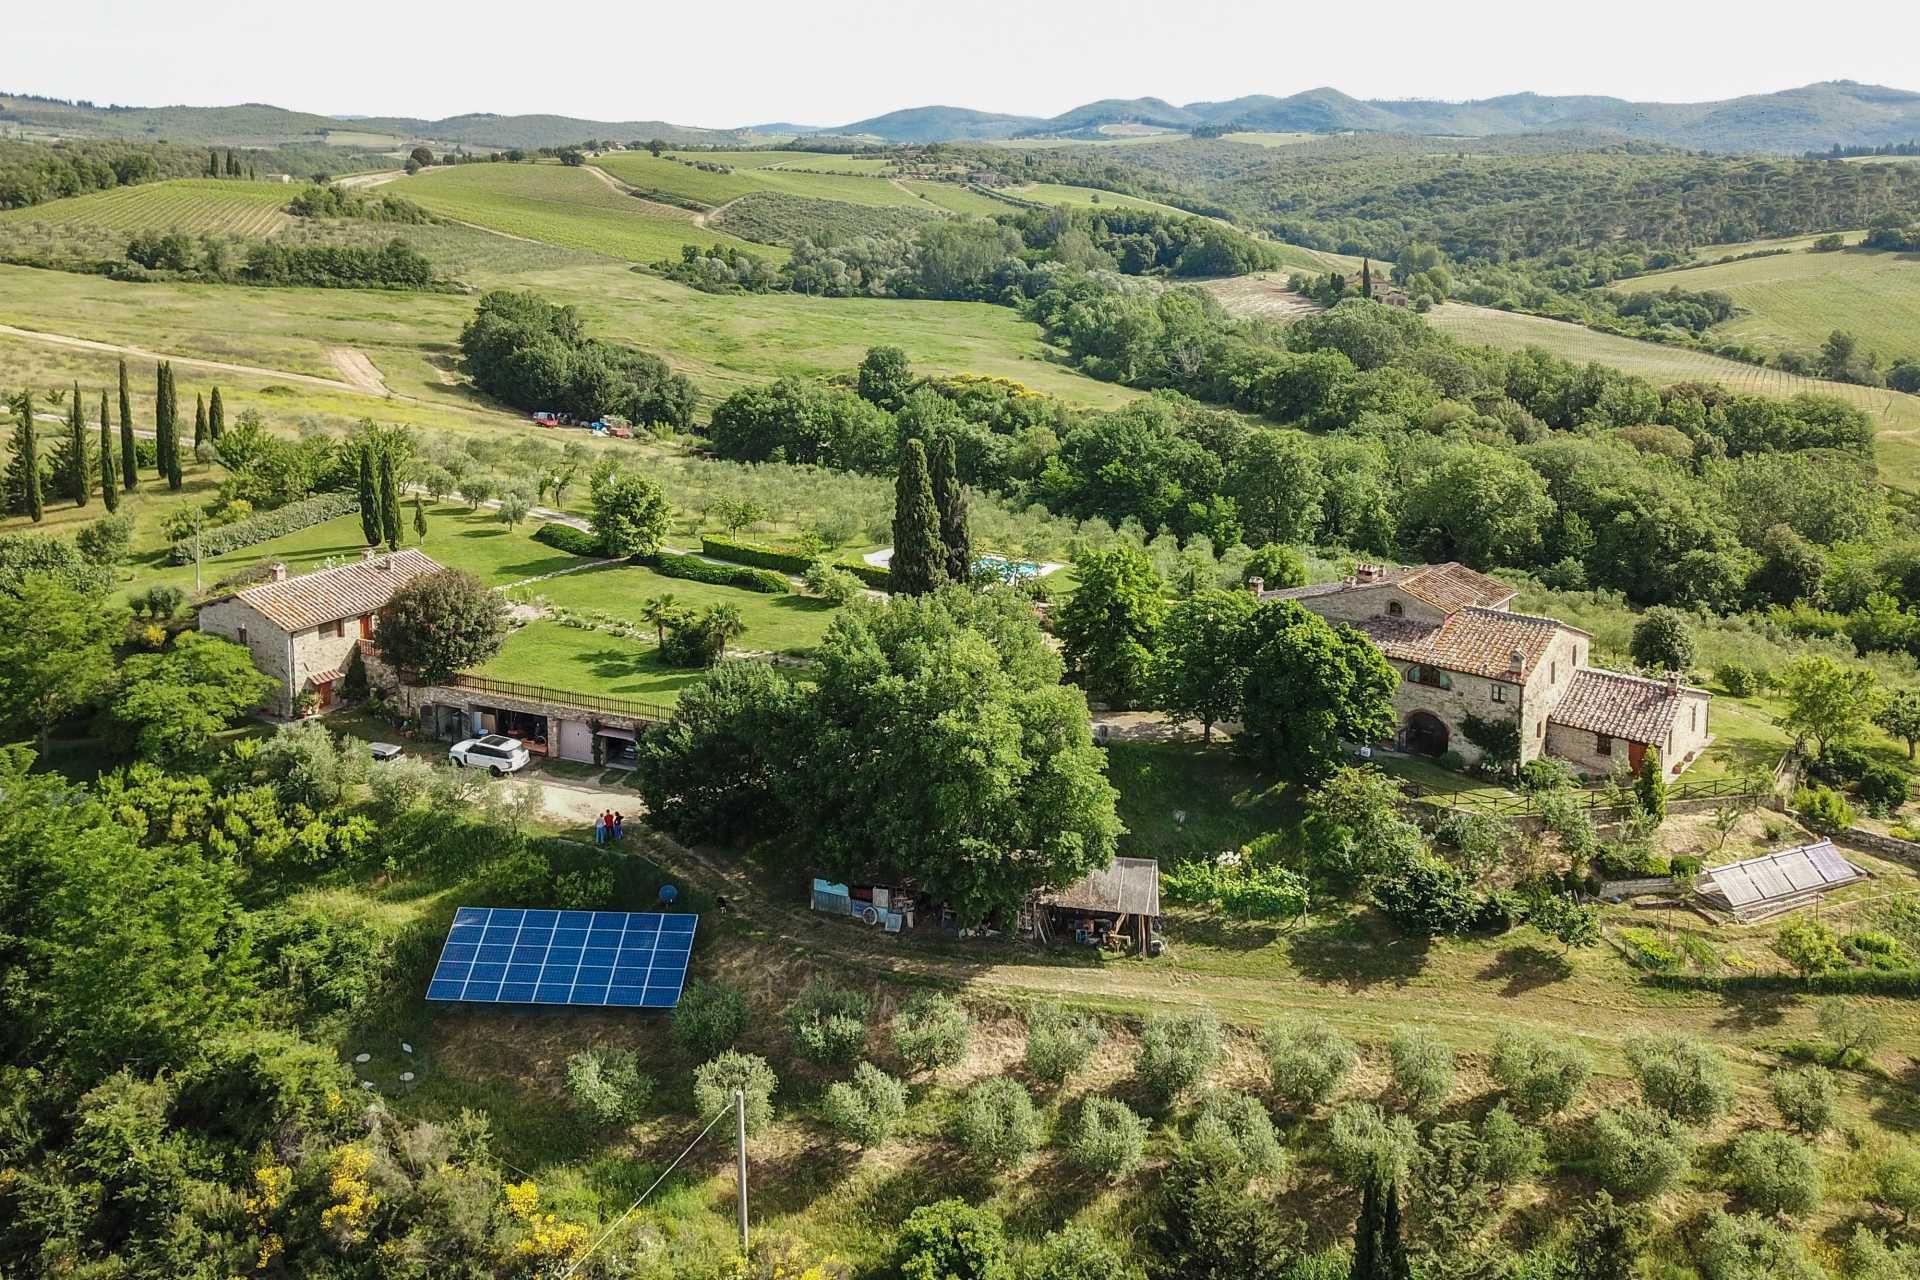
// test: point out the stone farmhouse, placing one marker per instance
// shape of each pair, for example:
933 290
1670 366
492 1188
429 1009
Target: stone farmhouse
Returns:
1461 651
303 630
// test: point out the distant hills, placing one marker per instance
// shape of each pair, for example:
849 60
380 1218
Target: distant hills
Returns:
1813 117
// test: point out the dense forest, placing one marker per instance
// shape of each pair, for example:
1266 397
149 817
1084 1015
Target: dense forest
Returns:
34 172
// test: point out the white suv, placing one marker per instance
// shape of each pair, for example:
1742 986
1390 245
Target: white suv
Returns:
502 755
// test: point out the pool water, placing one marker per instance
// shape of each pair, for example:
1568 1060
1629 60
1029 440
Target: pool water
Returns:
1005 569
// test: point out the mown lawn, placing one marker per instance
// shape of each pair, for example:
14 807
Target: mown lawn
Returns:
779 624
580 661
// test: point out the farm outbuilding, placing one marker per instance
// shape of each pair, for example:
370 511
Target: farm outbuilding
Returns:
1120 905
1773 884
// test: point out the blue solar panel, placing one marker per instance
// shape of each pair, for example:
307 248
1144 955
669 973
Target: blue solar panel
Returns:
506 955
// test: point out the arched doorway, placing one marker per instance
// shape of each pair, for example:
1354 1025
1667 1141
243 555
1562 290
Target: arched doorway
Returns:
1426 734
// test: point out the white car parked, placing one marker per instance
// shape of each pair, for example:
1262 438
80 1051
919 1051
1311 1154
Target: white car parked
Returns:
502 755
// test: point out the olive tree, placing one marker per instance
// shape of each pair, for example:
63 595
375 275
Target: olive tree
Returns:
1541 1075
829 1023
996 1122
714 1084
1422 1069
866 1108
1060 1041
1682 1076
1306 1061
1638 1151
1107 1139
1805 1098
1239 1122
1176 1052
931 1031
1775 1172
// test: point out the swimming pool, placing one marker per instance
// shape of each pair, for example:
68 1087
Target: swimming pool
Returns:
1005 569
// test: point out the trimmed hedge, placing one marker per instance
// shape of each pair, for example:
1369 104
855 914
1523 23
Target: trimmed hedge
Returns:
564 537
266 526
671 565
789 559
1840 982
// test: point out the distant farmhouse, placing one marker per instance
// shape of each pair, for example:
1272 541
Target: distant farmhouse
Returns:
303 630
1462 652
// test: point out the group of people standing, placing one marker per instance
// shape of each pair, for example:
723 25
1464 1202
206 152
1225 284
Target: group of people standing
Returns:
609 828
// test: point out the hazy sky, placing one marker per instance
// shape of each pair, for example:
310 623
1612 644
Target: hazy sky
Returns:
829 62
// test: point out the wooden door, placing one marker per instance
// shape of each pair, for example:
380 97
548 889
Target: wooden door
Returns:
1636 752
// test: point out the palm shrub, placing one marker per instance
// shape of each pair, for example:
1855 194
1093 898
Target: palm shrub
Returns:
996 1122
714 1083
709 1018
1107 1140
866 1108
1682 1076
1176 1052
931 1031
1306 1061
607 1086
1638 1151
1060 1041
829 1023
1775 1172
1240 1123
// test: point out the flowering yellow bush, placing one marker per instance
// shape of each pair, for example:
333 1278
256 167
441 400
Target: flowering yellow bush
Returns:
353 1198
272 1184
550 1246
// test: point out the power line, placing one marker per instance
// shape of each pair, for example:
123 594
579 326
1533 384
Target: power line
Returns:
581 1261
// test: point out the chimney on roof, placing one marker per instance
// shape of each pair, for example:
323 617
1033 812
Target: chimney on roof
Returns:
277 571
366 554
1673 682
1256 585
1365 573
384 562
1516 660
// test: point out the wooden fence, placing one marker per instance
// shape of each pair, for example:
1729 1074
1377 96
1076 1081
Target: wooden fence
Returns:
1525 804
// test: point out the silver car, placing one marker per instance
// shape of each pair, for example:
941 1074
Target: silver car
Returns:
502 755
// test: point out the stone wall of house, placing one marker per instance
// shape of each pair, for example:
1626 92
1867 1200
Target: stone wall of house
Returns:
1689 735
1547 683
1581 749
1357 604
234 618
317 651
1470 695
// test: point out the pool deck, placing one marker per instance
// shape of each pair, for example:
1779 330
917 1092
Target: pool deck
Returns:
882 558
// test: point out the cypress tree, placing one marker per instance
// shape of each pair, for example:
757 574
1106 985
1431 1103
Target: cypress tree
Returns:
216 416
1393 1247
129 456
172 459
1366 277
919 557
370 522
389 502
419 519
26 458
79 472
1366 1233
950 497
109 482
162 422
199 420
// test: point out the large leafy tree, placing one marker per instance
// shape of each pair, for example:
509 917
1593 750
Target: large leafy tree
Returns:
1199 669
440 624
174 702
1277 481
1827 701
919 563
1110 626
940 739
1311 685
710 773
885 379
630 513
56 652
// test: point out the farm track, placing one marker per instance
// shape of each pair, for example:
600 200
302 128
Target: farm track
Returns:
356 368
114 348
649 206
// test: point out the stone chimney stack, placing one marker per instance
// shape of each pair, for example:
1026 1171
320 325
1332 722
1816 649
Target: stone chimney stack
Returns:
277 571
1673 682
1366 573
366 554
1256 585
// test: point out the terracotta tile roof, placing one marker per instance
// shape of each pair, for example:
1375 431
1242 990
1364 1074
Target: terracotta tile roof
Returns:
1448 587
1620 706
344 591
1480 642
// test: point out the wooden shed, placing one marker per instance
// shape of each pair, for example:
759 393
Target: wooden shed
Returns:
1119 906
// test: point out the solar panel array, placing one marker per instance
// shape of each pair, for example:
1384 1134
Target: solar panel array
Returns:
509 955
1783 874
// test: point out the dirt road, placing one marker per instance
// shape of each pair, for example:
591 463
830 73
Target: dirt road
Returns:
112 348
357 369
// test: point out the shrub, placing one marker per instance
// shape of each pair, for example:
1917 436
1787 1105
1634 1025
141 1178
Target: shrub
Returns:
1060 1041
1896 1183
1422 1068
1637 1151
1176 1052
1810 946
1854 1030
688 642
1824 809
1662 640
265 526
1427 897
1684 1077
709 1018
670 564
1805 1098
715 1081
1775 1172
1306 1061
951 1240
107 540
1108 1139
1542 774
785 559
607 1087
1884 788
564 537
1541 1076
1748 1247
159 602
1076 1253
1512 1147
867 1107
832 583
829 1023
996 1122
931 1032
1738 679
1362 1140
1875 950
1238 1121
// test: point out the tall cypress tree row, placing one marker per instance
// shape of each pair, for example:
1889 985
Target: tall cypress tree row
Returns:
1366 1233
950 497
173 432
79 466
162 427
919 557
389 501
109 482
129 456
370 523
26 459
216 416
199 420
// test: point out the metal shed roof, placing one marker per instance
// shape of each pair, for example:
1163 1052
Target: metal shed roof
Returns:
1811 867
1131 886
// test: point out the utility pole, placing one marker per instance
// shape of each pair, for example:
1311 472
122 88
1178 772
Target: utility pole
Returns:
740 1150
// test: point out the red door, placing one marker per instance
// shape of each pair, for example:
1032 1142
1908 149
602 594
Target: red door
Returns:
1636 752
